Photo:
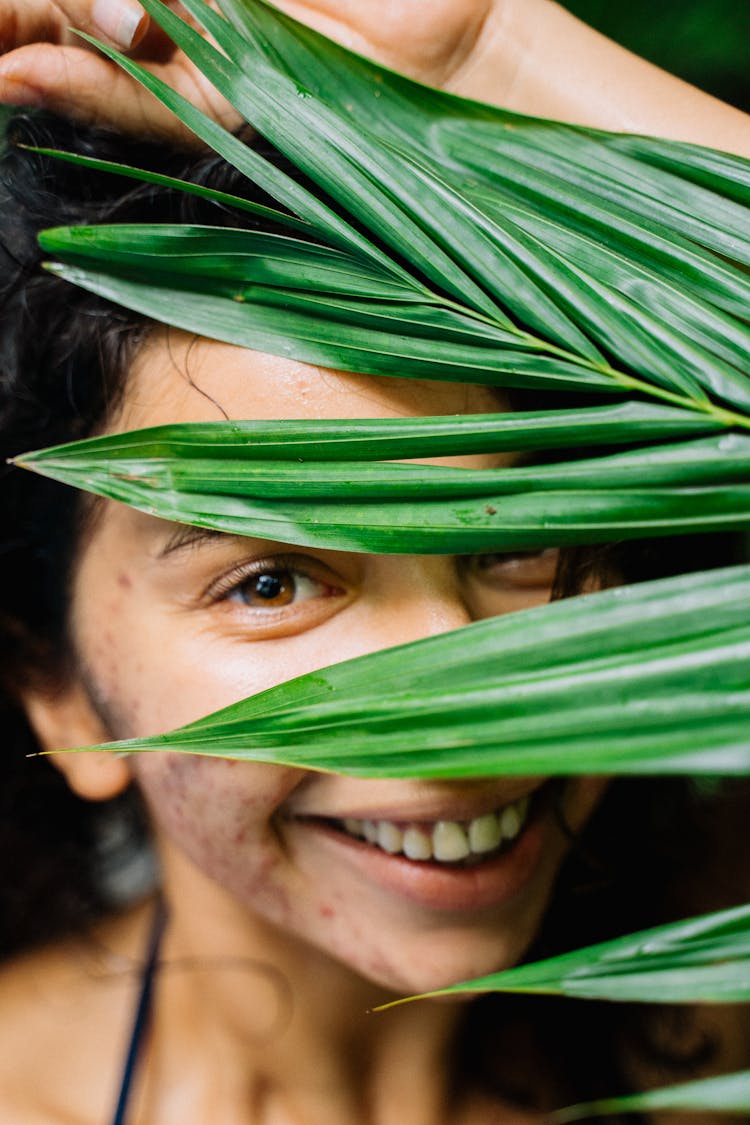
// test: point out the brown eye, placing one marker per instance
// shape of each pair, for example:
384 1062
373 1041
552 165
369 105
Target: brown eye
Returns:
277 587
272 589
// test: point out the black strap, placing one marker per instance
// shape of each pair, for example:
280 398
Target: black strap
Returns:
142 1013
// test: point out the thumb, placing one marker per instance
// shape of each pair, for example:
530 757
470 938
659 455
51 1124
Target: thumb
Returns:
123 23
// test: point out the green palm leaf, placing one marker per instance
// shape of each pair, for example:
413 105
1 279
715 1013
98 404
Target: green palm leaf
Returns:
699 960
728 1093
270 214
406 342
398 508
308 207
366 439
234 256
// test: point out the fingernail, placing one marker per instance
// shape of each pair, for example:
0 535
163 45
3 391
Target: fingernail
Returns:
120 20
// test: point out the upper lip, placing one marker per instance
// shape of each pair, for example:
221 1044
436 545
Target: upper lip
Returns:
451 804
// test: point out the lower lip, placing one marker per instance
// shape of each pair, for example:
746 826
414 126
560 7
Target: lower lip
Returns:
436 887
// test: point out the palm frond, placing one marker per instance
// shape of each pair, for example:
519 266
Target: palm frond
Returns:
374 439
727 1093
698 960
595 253
391 508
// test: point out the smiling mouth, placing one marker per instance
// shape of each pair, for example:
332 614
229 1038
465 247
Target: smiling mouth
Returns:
455 843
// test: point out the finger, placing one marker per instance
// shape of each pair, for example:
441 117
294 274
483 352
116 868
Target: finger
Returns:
27 21
86 87
122 23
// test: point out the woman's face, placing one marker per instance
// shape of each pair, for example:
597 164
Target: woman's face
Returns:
169 627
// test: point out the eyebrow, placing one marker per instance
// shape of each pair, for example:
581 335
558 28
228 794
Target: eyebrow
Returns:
188 536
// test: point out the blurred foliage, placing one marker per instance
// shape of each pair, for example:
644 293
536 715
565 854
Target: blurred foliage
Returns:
706 42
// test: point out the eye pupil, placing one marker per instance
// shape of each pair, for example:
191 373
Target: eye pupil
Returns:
275 587
269 586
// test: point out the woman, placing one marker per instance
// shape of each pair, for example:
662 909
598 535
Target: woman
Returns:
282 927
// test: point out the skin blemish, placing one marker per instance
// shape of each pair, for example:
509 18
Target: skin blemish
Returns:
124 581
327 912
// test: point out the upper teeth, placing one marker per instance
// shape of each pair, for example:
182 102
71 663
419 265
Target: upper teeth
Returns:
446 840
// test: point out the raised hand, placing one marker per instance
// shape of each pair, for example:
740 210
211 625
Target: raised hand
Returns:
433 41
46 64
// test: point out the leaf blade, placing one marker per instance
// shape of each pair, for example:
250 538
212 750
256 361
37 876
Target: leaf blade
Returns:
726 1093
699 960
558 692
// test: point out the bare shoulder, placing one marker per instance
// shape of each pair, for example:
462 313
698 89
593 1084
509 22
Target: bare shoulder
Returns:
66 1013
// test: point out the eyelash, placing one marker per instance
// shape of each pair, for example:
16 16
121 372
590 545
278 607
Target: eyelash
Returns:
232 582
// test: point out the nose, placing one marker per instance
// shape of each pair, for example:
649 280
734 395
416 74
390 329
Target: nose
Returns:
409 597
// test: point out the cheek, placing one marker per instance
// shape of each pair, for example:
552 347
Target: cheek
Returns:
219 814
112 668
149 671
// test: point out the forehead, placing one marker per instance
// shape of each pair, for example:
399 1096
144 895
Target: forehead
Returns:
182 378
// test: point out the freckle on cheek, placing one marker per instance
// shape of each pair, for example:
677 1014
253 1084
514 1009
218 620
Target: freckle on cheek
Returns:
124 581
327 912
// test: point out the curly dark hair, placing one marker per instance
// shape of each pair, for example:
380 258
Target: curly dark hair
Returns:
64 356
